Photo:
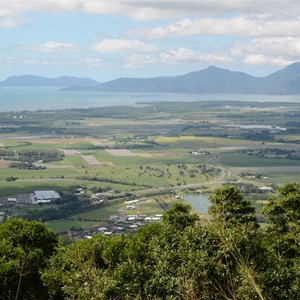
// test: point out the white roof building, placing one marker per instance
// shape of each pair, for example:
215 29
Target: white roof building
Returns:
45 196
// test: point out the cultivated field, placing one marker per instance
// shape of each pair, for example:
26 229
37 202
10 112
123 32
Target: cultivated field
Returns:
125 152
122 152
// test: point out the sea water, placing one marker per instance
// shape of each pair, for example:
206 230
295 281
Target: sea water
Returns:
44 98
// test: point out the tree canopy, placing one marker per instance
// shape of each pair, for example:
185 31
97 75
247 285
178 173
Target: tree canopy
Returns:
229 206
24 249
179 258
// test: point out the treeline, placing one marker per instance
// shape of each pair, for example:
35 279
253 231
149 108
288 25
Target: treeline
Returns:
110 180
26 166
231 257
41 154
274 153
32 155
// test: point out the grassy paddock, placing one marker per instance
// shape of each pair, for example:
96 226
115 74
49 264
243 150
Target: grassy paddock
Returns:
66 224
205 140
244 160
19 187
102 213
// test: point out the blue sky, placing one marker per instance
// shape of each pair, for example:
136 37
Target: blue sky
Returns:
106 39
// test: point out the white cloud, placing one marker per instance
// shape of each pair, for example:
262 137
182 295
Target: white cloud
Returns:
86 62
120 45
152 9
104 7
34 61
9 22
185 55
258 59
275 51
51 46
247 25
176 56
139 60
278 46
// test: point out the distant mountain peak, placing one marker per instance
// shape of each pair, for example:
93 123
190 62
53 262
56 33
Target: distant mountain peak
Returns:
210 80
213 69
294 66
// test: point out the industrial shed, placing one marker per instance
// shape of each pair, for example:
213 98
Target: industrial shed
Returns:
45 196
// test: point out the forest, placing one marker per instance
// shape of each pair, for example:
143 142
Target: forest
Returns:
230 257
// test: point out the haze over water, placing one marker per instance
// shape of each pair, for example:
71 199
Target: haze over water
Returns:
29 98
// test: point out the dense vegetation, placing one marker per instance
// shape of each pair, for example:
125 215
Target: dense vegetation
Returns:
180 258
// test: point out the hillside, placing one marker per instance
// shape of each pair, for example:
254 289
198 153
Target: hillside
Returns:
210 80
38 81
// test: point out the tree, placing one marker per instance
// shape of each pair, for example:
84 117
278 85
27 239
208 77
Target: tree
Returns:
283 212
282 239
179 216
25 247
229 206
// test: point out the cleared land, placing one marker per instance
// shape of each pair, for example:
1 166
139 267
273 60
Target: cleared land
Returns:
54 166
69 151
4 163
125 152
91 160
139 149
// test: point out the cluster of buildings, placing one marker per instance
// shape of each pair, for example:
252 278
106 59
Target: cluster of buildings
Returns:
36 197
117 225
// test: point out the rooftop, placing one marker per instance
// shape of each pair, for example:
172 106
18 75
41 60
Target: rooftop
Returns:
46 195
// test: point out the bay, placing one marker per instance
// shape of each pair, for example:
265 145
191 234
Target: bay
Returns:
45 98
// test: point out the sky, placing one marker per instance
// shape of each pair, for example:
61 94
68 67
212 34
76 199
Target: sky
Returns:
107 39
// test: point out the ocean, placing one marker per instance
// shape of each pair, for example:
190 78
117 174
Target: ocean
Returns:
42 98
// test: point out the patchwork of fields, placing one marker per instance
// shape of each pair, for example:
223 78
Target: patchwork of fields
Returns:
170 148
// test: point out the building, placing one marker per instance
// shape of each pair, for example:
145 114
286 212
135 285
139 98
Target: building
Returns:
45 196
24 199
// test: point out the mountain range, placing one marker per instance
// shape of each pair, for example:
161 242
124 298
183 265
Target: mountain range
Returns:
210 80
38 81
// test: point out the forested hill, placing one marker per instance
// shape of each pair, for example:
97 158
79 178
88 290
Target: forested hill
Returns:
39 81
231 257
211 80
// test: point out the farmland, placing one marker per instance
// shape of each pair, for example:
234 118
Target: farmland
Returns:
125 153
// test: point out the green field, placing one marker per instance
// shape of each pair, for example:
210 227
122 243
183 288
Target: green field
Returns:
65 225
99 214
236 159
133 149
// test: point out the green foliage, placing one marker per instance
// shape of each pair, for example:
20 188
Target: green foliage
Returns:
229 206
175 259
26 166
11 178
283 212
24 248
179 216
40 154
